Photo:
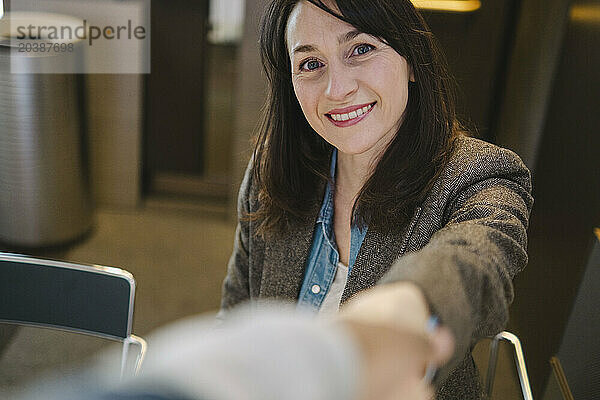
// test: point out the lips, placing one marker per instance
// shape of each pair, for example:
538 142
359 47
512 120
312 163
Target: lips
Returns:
348 109
349 115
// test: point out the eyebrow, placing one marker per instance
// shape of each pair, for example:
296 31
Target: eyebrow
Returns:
348 36
344 38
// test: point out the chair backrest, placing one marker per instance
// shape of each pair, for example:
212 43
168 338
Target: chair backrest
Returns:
87 299
579 351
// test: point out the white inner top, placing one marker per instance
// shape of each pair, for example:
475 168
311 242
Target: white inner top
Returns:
331 303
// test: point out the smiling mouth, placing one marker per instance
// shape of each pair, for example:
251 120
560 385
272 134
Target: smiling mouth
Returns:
349 116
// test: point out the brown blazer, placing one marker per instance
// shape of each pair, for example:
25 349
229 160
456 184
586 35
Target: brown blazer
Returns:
462 247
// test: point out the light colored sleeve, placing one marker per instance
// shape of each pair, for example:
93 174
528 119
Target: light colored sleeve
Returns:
272 354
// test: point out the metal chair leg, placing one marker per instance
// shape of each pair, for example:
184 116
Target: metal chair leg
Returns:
124 354
141 343
519 360
141 354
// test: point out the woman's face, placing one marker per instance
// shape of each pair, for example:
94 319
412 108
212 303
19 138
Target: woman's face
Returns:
353 88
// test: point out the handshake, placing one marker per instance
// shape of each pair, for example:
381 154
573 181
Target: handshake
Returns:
378 347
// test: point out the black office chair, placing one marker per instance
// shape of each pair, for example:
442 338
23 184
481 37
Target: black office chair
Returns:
92 300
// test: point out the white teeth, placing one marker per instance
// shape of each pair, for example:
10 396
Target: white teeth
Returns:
351 115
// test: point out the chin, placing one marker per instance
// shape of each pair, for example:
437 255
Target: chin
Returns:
353 149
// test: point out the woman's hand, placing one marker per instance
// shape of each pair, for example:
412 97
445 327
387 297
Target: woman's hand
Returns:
389 325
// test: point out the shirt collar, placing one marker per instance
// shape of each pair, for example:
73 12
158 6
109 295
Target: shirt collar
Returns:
326 213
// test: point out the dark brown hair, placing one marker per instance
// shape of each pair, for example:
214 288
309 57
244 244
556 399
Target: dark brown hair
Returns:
291 160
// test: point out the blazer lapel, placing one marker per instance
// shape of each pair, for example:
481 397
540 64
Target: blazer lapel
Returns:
285 261
286 255
379 250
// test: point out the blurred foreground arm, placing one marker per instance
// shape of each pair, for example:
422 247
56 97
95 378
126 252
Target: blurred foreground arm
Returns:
272 354
276 354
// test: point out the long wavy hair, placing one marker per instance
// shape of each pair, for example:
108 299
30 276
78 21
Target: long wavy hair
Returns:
291 160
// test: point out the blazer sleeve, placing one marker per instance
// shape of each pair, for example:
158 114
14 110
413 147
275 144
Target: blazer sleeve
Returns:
466 269
236 287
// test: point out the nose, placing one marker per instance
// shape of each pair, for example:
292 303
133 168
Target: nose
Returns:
341 83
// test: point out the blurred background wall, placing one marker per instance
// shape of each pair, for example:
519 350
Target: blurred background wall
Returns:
175 143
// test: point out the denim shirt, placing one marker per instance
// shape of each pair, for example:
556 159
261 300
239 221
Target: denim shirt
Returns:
321 265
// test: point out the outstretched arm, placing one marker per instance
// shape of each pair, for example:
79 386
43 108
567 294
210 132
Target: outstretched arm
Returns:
465 272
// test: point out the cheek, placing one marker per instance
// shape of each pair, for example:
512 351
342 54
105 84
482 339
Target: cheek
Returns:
308 98
394 89
390 78
400 97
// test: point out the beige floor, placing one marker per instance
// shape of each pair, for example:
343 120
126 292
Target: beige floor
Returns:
178 256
